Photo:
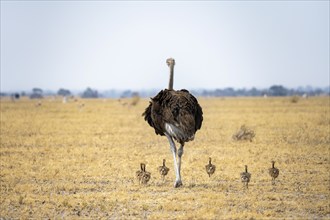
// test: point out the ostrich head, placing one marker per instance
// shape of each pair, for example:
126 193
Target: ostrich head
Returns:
170 62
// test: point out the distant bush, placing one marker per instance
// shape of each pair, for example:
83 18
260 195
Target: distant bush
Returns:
135 98
294 99
36 96
278 90
90 93
36 93
63 92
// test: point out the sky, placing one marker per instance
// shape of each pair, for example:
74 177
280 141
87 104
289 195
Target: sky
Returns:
125 44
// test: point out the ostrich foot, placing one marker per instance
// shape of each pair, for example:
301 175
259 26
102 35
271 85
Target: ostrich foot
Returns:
177 184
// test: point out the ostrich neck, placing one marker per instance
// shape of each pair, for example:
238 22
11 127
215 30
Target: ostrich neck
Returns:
170 83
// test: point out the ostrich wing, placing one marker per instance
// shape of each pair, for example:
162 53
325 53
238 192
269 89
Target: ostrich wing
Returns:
178 111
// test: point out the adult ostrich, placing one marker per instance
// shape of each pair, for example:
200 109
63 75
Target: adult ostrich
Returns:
177 115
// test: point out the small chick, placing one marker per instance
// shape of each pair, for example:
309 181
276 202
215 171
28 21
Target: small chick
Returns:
274 172
163 170
139 173
145 176
245 177
210 168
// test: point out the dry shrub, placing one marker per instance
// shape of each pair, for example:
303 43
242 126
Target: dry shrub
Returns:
294 99
244 133
135 100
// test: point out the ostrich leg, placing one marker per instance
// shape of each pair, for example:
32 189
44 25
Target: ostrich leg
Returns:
180 152
176 168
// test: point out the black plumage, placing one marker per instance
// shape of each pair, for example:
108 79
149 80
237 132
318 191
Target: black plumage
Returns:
179 109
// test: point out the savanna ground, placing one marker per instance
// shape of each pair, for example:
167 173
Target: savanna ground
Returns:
68 161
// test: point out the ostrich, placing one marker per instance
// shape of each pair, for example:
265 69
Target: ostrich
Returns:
210 168
163 170
274 172
245 177
177 115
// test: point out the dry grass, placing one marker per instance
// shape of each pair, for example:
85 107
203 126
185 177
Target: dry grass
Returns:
60 161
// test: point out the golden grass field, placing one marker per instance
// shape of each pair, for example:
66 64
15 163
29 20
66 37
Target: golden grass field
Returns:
62 161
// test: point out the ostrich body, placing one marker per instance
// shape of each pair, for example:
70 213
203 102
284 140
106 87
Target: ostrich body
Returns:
245 177
274 172
176 115
210 168
163 170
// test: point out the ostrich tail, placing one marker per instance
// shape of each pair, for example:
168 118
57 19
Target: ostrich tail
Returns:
174 131
178 133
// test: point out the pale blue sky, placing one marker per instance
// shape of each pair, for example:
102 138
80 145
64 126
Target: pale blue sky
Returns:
124 45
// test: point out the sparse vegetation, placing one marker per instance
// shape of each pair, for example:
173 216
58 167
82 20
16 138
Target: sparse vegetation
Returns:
60 162
294 99
244 133
135 99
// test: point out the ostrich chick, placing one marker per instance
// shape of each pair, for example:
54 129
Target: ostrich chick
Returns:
139 173
245 177
163 170
274 172
145 176
210 168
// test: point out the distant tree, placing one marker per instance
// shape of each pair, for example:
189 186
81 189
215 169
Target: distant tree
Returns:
318 91
90 93
278 90
229 92
254 92
135 98
217 92
240 92
205 93
36 96
223 92
126 94
37 90
63 92
37 93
